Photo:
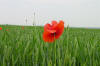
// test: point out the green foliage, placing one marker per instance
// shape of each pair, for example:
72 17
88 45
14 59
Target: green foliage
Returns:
76 47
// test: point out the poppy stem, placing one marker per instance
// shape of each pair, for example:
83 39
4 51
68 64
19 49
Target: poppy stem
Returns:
55 49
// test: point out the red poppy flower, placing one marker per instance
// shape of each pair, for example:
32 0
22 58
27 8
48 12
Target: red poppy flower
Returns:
23 27
0 28
6 29
53 31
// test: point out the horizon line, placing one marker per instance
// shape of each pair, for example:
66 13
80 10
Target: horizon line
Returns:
43 25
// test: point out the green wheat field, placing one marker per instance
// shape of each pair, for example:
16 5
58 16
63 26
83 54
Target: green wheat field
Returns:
25 47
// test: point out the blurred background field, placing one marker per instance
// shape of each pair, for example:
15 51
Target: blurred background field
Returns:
25 47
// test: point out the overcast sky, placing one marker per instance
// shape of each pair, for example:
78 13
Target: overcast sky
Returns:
76 13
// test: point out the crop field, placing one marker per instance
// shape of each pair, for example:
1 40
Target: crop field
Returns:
25 47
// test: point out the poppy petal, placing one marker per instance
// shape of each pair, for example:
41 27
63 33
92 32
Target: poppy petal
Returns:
47 26
49 29
47 37
59 29
54 22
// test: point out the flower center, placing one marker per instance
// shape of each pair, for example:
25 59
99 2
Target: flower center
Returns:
53 34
